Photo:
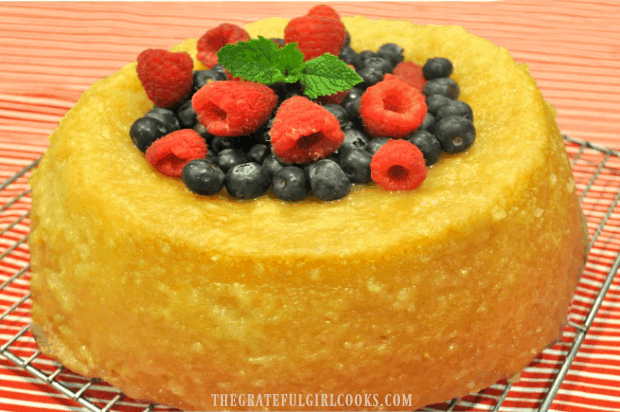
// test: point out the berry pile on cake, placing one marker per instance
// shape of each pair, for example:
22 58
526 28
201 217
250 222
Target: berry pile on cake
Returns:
216 130
325 282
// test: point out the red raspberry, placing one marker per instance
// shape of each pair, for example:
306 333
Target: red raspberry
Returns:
234 108
398 165
172 152
213 40
315 35
325 11
166 77
335 98
392 108
303 131
410 73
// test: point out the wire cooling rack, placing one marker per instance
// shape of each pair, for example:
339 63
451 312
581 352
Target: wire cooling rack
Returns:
597 177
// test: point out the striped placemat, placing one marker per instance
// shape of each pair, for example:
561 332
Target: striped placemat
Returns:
51 52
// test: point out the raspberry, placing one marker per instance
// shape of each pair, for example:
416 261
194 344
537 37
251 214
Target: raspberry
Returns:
213 40
325 11
166 77
234 108
303 131
398 165
392 108
410 73
172 152
315 35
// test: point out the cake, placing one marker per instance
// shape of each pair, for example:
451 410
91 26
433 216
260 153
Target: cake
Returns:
429 293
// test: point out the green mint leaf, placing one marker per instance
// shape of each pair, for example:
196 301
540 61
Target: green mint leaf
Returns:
256 60
291 63
327 74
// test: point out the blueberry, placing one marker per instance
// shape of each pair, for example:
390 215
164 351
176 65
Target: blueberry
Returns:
366 54
290 183
211 156
202 176
203 77
247 181
347 39
356 165
428 123
456 108
167 117
228 158
392 53
328 180
258 153
272 165
355 93
434 102
222 143
455 134
187 115
379 63
437 67
444 86
339 112
145 131
428 145
350 56
351 102
375 144
219 70
370 76
202 131
353 139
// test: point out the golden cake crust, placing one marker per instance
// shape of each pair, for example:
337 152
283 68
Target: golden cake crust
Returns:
434 292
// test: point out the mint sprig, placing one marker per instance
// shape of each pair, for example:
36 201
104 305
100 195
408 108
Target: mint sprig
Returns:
260 60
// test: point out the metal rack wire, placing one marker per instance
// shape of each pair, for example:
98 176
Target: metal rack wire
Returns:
597 177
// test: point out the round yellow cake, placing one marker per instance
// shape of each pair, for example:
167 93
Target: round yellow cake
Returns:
428 294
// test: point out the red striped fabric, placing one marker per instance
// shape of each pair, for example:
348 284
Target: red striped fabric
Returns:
52 52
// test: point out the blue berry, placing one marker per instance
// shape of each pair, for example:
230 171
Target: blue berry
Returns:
202 176
219 70
356 165
428 123
145 131
434 102
203 77
339 112
202 131
351 102
327 180
272 165
187 115
258 153
455 134
247 181
370 76
278 41
167 117
365 54
228 158
222 143
444 86
353 139
350 56
391 52
290 183
428 145
437 67
211 156
375 144
456 108
379 63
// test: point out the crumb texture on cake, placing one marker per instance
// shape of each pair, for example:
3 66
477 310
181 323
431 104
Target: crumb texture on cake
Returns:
435 292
